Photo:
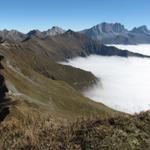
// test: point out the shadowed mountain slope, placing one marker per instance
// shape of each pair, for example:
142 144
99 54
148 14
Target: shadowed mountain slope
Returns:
72 44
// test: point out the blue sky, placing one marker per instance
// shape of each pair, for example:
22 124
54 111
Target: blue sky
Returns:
25 15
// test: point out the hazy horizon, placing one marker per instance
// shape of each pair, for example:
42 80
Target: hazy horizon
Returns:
70 28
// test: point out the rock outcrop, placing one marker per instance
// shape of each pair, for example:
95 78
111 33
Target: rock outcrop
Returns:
50 32
4 109
12 35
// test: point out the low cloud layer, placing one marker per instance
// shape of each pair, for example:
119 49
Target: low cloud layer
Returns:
125 81
141 48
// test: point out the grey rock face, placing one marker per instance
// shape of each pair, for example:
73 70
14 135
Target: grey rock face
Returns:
105 33
110 28
36 33
140 30
13 35
50 32
17 36
54 31
109 33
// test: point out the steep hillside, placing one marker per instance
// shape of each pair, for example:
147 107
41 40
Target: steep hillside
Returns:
37 59
33 75
38 93
49 97
40 86
71 44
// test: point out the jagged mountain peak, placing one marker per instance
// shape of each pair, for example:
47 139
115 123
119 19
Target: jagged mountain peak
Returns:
50 32
55 30
116 33
109 27
142 29
70 31
72 34
13 35
12 31
36 33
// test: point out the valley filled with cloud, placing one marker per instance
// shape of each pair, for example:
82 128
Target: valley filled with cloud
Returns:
124 82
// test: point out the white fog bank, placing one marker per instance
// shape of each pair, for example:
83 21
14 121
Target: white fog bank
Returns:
141 48
125 81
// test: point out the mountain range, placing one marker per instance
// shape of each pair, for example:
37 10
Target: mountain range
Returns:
16 36
109 33
36 80
38 92
38 84
105 33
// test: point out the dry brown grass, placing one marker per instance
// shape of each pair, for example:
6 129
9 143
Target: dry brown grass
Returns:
35 133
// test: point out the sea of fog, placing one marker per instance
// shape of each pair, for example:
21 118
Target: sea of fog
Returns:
142 48
125 82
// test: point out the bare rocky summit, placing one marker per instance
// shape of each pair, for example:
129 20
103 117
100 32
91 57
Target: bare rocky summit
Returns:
109 33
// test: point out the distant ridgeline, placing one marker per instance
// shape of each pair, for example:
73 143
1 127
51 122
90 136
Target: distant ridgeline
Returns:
109 33
105 33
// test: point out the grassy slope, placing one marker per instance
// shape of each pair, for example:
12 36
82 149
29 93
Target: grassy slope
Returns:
48 89
37 60
47 85
115 133
56 98
72 44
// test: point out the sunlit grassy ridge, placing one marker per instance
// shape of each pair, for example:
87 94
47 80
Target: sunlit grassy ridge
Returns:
52 89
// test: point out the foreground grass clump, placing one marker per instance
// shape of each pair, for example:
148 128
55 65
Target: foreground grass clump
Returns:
125 132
